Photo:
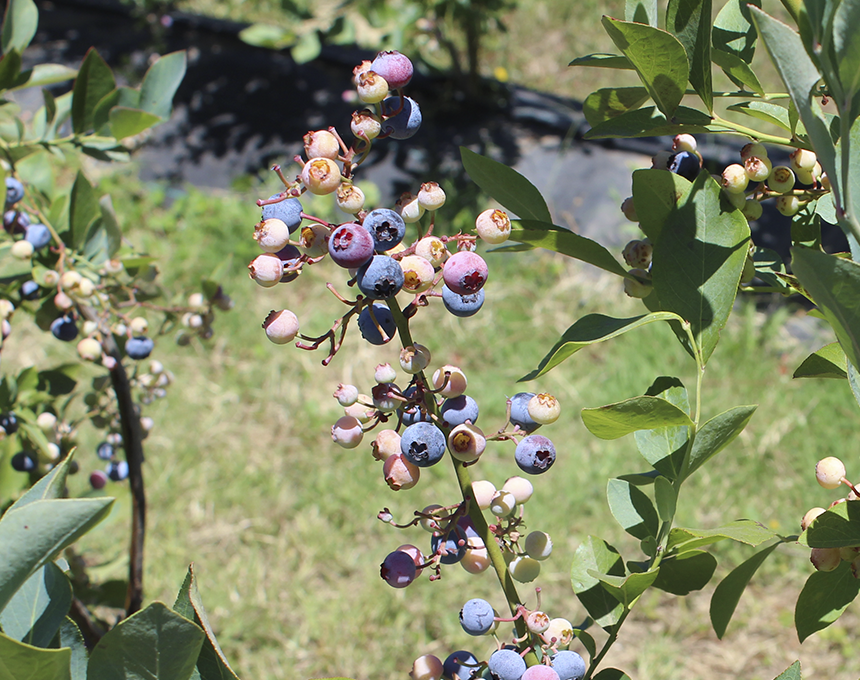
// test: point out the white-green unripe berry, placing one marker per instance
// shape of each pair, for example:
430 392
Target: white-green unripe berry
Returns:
493 226
85 288
483 491
684 142
89 327
146 424
456 384
629 209
753 149
544 408
321 144
347 432
53 451
349 198
409 208
385 373
636 288
757 168
561 630
751 209
139 325
521 488
735 179
197 301
466 443
432 249
46 421
781 179
537 622
6 309
431 196
503 504
414 359
22 250
809 517
90 349
788 205
314 240
477 558
803 160
538 545
524 569
266 269
360 410
825 559
418 274
830 472
365 124
321 176
372 87
70 279
272 234
346 395
387 443
281 327
736 200
430 523
63 302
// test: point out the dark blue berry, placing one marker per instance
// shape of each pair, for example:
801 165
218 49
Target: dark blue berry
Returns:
520 412
15 222
9 422
462 305
423 444
38 235
117 470
139 347
455 545
685 164
457 410
386 226
461 664
381 278
14 190
477 617
535 454
289 211
384 318
24 461
405 123
412 413
64 328
29 290
105 451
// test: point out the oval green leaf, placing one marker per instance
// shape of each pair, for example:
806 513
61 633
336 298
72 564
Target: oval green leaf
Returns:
506 186
827 362
639 413
610 102
825 595
728 593
632 509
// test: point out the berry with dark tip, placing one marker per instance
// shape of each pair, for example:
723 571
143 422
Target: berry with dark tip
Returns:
395 67
457 410
14 190
38 235
423 444
350 245
64 328
477 617
569 665
686 164
520 412
398 569
9 422
105 451
403 124
506 664
117 470
460 664
465 272
386 227
384 319
139 347
24 461
381 278
29 290
462 305
535 454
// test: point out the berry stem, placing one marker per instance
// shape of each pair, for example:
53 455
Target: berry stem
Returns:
758 136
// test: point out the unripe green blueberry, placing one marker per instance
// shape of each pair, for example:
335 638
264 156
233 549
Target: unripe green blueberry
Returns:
314 240
735 179
139 325
825 559
384 373
89 327
432 524
266 269
493 226
751 209
803 160
737 200
521 488
111 267
825 181
46 421
524 569
781 179
399 473
538 545
788 205
415 358
757 168
347 432
456 383
349 198
806 177
321 176
360 411
365 124
537 622
544 408
431 196
809 517
561 630
386 444
281 327
477 558
830 472
385 397
372 88
6 309
753 149
90 349
85 288
321 144
638 289
433 250
22 250
427 667
849 553
409 208
483 491
63 302
190 320
418 273
684 142
70 279
272 234
466 443
503 504
629 209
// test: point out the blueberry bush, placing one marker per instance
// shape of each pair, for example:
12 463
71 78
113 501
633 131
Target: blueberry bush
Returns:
695 256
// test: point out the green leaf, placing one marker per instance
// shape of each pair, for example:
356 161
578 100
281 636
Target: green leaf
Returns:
307 48
733 30
682 574
626 589
665 498
36 170
609 102
124 97
602 60
267 35
825 595
19 661
641 11
60 380
211 663
728 593
744 531
800 77
19 24
664 447
125 122
838 527
790 673
10 68
699 254
738 71
588 330
647 122
156 644
506 185
828 362
43 74
36 612
70 636
595 555
611 674
94 81
32 534
83 209
632 509
51 486
104 237
160 83
638 413
566 242
690 22
718 433
658 57
846 49
770 113
833 283
587 641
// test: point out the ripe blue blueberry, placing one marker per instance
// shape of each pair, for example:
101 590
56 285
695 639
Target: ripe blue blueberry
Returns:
569 665
535 454
506 664
467 526
381 278
386 226
289 211
686 164
477 617
117 470
423 444
24 461
350 245
453 547
412 414
462 305
29 290
38 235
105 451
64 328
405 123
457 410
139 347
9 423
14 190
384 318
15 222
520 412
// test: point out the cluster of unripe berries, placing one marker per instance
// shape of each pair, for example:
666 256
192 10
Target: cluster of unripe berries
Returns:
372 246
830 473
745 185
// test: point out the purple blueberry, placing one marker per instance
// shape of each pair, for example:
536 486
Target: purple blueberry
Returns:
457 410
569 665
24 461
38 235
98 479
386 227
465 272
535 454
462 305
289 211
423 444
14 190
394 67
398 569
381 278
506 664
462 664
686 164
403 124
64 328
350 245
477 617
139 347
15 222
117 470
384 318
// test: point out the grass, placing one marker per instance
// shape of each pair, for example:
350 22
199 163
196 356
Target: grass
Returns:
243 479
